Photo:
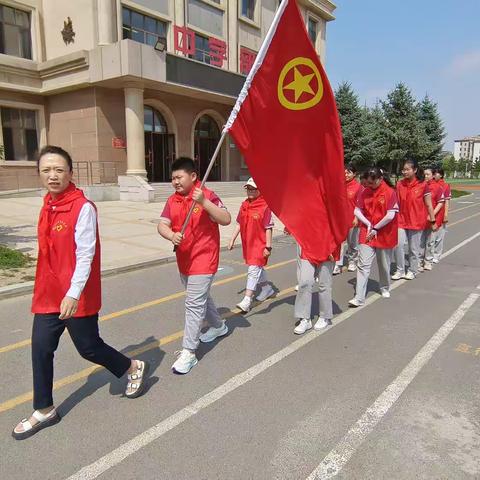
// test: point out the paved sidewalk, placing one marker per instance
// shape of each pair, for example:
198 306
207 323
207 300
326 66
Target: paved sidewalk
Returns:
128 230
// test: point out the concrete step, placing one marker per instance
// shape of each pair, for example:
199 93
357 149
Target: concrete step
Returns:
222 189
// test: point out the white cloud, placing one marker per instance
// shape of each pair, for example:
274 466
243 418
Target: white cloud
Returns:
468 62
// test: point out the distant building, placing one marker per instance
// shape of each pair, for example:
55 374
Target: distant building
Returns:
127 85
467 148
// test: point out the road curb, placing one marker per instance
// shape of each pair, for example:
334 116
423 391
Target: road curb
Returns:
25 288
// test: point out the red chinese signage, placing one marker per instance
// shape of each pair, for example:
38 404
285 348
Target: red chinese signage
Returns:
119 142
184 42
247 58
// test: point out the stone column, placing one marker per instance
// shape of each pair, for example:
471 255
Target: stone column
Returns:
135 131
107 16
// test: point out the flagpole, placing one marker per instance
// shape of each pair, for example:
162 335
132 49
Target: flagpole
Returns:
204 180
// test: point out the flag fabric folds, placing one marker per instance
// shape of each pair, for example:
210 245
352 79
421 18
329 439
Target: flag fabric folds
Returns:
286 125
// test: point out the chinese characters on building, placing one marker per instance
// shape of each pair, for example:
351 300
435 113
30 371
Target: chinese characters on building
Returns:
185 42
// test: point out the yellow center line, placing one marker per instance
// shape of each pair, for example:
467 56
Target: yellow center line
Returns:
152 303
68 380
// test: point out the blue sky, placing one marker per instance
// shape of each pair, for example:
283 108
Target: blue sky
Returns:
432 46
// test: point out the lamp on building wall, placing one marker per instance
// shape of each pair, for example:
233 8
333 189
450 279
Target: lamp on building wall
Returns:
161 44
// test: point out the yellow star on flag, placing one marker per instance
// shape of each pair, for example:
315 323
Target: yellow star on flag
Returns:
300 84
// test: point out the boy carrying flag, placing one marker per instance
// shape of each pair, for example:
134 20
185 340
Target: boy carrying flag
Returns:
255 224
197 253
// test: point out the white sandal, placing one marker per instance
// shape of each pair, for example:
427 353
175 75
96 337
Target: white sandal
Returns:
44 421
136 380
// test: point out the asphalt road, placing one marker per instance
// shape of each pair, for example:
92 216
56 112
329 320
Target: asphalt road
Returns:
390 391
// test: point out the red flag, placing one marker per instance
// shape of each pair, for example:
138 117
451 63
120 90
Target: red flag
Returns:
287 127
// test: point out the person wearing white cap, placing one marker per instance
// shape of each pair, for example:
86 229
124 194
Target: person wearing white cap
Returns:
255 225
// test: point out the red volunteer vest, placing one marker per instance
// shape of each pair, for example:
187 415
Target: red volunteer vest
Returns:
375 207
198 254
56 257
353 188
413 211
437 191
447 195
252 231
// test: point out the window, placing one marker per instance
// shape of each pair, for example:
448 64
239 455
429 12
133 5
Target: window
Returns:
153 121
15 36
202 49
248 9
20 137
312 29
142 28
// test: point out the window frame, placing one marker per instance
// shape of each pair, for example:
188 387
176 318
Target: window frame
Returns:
143 30
256 21
34 29
41 130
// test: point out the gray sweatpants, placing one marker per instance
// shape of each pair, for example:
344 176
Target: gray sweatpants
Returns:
411 239
349 247
306 274
430 237
366 254
438 244
255 275
199 306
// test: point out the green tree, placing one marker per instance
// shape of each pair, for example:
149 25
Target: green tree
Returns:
449 164
406 138
375 128
352 121
434 130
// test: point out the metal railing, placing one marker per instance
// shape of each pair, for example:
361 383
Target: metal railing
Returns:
94 173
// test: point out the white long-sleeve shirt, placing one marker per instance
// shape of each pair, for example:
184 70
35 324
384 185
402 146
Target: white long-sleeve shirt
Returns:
86 239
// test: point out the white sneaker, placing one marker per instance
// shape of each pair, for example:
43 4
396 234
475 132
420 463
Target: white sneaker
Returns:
428 266
420 269
409 276
185 362
354 303
304 325
245 305
436 260
351 267
212 333
337 270
322 323
397 275
266 292
385 292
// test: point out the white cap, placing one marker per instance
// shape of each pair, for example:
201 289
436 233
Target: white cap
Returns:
250 183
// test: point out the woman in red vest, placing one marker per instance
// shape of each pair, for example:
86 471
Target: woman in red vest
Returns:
67 292
438 204
416 208
254 224
376 210
350 245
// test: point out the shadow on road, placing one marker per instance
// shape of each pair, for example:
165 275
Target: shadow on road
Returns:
233 322
103 377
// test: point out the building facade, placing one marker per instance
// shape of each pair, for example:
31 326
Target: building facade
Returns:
125 86
467 148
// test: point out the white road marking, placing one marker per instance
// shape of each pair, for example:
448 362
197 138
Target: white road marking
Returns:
341 454
116 456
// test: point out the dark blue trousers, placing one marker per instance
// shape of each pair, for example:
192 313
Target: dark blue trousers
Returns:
46 333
